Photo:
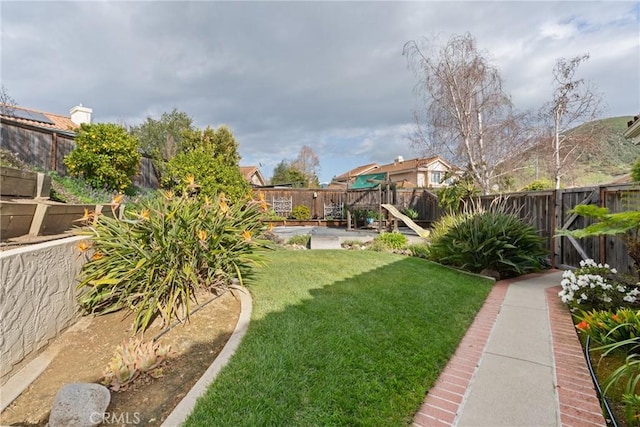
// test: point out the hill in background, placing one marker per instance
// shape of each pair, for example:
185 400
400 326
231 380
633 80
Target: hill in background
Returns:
609 160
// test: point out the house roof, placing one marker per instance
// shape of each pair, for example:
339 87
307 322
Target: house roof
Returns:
249 171
357 171
57 121
411 164
633 128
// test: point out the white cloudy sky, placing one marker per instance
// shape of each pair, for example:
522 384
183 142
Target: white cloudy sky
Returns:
330 75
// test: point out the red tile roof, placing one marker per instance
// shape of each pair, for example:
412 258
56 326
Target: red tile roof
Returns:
60 122
249 171
357 171
409 165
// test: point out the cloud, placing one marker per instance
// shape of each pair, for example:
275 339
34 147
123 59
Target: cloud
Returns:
284 74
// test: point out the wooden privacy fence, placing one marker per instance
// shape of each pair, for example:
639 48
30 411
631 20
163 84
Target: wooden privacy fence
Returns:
319 200
546 211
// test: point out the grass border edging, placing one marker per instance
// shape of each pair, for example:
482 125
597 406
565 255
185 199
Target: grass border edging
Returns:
180 413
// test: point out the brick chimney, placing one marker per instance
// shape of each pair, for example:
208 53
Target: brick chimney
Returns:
80 114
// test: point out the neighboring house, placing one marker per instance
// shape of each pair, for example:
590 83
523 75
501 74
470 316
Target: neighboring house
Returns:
633 130
40 138
421 172
347 178
253 176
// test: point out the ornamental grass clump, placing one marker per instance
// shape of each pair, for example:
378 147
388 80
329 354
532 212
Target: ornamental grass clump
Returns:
156 259
489 240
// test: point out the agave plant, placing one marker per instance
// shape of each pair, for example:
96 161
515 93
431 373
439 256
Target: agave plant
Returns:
132 358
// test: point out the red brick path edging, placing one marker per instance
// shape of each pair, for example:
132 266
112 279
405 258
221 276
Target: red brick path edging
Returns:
441 404
578 402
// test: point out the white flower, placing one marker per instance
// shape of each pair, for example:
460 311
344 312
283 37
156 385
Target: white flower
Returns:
620 288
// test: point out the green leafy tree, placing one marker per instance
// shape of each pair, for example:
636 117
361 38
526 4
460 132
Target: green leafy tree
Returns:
539 184
211 159
450 197
163 139
635 171
286 173
105 155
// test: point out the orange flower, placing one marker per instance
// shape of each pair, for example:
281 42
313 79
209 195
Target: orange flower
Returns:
583 326
202 235
117 199
247 235
223 206
83 246
615 318
87 217
263 205
144 214
191 181
97 255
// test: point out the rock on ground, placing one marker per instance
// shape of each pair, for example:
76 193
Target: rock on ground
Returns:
80 405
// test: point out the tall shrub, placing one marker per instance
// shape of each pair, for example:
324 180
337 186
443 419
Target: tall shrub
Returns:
210 157
105 155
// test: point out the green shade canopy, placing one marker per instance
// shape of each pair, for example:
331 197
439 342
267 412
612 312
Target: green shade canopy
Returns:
371 180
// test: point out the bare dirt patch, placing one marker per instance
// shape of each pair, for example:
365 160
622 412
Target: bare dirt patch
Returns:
86 348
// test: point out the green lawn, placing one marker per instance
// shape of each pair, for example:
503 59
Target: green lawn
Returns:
342 338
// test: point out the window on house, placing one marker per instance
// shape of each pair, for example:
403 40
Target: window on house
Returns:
436 177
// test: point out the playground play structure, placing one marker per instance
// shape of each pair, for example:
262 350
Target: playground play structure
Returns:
372 197
375 192
397 215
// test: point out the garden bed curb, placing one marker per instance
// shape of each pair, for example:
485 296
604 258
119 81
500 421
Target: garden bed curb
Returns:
180 413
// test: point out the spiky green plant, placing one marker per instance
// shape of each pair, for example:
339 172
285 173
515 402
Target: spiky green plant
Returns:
490 240
155 260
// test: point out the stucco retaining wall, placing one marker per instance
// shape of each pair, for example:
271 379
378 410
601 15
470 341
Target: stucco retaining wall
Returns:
37 298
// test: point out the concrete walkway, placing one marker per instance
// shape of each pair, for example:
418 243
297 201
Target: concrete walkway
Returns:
519 364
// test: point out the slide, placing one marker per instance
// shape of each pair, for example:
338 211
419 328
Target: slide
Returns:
407 221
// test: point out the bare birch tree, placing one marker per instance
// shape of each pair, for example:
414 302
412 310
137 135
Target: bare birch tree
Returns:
466 113
574 103
308 163
7 103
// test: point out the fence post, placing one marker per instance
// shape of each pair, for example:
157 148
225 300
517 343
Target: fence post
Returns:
556 242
